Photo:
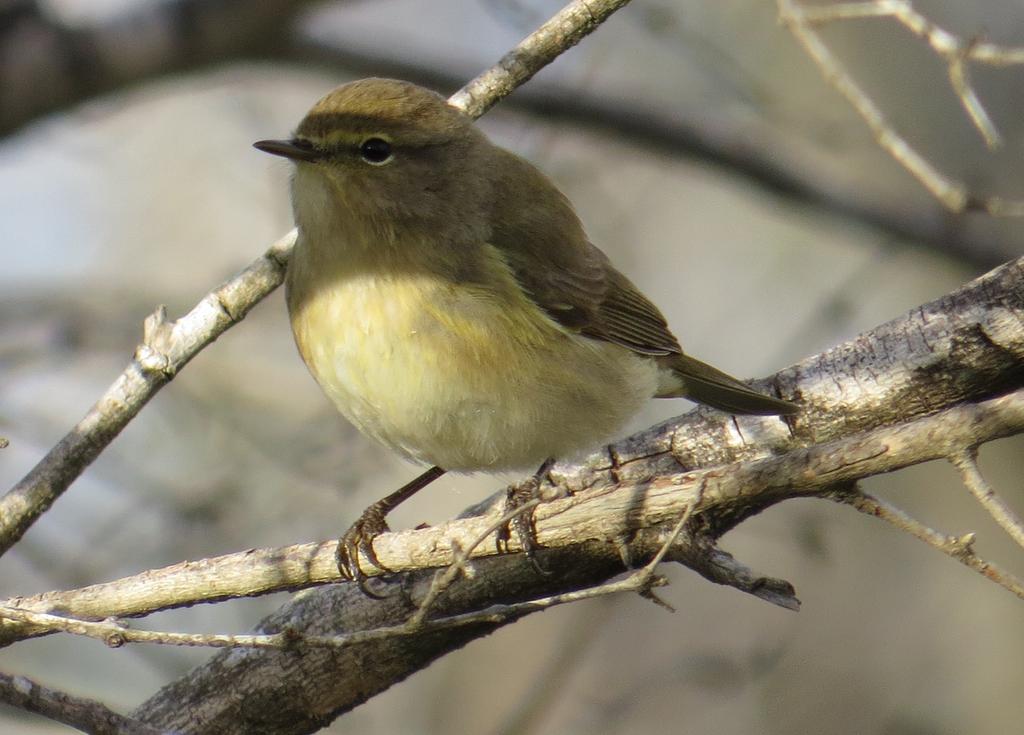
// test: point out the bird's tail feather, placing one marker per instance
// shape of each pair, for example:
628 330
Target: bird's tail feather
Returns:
706 384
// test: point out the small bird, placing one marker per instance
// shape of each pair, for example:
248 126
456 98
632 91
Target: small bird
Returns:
445 296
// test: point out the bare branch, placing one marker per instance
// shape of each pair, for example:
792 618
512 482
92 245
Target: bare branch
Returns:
300 686
966 463
167 347
444 578
956 51
64 63
114 633
561 32
863 398
961 347
961 83
722 496
944 43
78 712
802 21
960 548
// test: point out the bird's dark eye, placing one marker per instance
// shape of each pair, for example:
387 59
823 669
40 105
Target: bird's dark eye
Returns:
376 151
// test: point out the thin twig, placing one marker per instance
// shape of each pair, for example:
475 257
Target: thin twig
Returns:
960 548
943 42
563 31
115 634
445 577
959 79
644 578
957 52
802 22
966 463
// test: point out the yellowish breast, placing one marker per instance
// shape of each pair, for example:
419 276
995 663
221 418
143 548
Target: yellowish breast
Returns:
461 376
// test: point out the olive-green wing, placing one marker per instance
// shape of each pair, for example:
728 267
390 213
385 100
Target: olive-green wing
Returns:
542 240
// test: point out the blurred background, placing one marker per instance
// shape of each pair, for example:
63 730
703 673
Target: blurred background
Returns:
703 152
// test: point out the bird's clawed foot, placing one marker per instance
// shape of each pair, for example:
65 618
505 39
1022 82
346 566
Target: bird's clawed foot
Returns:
516 497
371 524
358 539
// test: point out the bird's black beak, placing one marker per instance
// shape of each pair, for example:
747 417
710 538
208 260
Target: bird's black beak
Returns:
296 150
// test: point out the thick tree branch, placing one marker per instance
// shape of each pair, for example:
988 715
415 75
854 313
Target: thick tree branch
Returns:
83 714
720 497
869 403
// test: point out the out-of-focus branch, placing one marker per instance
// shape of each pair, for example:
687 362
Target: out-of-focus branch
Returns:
802 22
956 52
48 62
83 714
36 45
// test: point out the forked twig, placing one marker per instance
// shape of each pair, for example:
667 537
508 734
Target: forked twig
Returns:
966 463
443 578
802 22
960 548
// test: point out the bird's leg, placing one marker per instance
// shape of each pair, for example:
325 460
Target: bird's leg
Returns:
516 496
359 538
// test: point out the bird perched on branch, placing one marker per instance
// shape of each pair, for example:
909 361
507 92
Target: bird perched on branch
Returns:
444 295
